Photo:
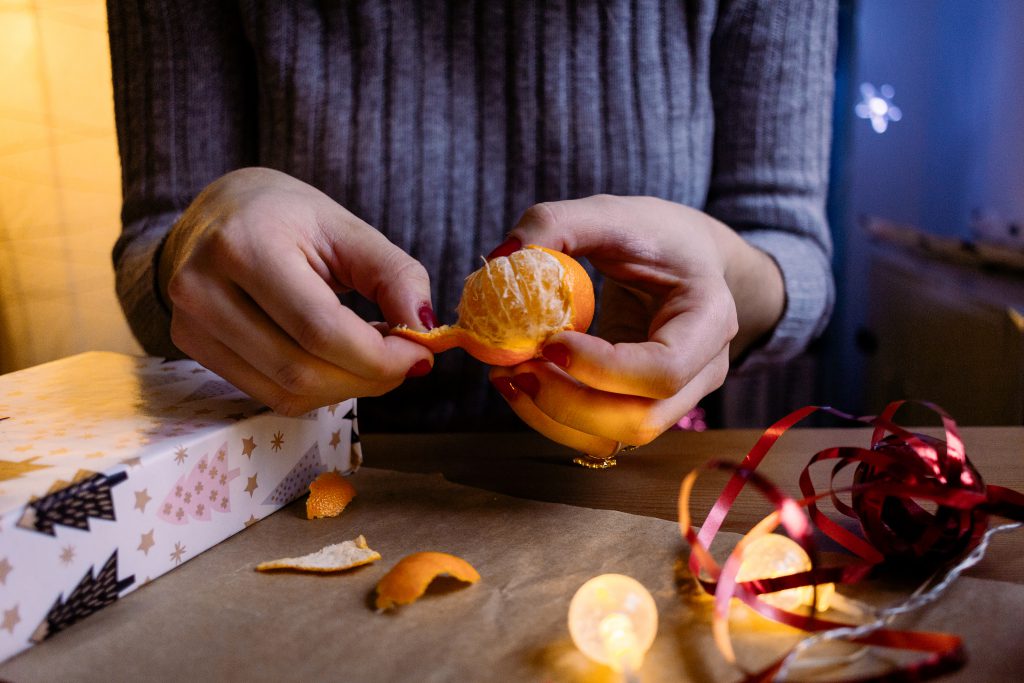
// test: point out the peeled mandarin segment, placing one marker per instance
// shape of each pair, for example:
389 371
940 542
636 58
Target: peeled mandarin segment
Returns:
409 578
512 305
329 495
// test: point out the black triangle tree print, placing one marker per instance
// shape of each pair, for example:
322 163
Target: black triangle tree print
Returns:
92 594
73 505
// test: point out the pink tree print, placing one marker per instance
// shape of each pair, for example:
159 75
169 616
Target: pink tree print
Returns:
201 492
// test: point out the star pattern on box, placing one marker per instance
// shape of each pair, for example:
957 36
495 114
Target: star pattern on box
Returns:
91 594
11 619
146 542
11 469
296 482
178 552
201 491
142 499
73 505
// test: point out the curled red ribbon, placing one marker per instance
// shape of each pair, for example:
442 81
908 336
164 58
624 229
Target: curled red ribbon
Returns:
897 470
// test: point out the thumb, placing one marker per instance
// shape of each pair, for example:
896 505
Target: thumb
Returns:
578 227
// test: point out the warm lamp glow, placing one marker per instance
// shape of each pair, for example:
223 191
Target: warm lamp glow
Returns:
772 556
613 621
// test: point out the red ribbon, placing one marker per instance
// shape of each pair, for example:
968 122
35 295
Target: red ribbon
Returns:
898 469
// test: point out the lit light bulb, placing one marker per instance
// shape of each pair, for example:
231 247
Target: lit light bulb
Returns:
877 106
773 555
613 621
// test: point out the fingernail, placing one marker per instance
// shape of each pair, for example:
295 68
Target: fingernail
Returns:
421 368
427 317
505 388
505 248
527 383
557 354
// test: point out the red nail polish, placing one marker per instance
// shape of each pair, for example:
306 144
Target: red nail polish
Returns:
527 383
557 354
505 388
421 368
505 248
427 317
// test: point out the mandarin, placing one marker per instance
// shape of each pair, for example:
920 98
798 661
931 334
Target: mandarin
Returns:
511 305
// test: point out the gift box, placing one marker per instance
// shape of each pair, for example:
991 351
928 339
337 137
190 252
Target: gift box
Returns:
115 469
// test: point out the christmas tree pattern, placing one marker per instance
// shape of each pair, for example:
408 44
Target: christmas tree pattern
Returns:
201 491
73 505
90 595
213 388
297 481
153 380
356 447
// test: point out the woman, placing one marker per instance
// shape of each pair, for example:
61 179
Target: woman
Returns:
294 170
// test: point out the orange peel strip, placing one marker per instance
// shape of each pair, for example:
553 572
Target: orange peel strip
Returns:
329 495
333 558
511 305
409 578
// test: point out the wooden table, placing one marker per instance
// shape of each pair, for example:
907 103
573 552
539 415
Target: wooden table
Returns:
214 618
646 482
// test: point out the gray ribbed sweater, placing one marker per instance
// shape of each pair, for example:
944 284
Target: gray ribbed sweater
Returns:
440 122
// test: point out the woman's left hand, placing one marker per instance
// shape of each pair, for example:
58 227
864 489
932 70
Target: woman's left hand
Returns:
682 292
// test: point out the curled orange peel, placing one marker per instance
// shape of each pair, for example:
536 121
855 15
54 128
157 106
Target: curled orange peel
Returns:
511 305
409 578
329 495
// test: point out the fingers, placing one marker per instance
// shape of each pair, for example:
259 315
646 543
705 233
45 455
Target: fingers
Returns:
658 368
286 398
368 262
228 314
529 413
601 224
276 370
615 417
277 279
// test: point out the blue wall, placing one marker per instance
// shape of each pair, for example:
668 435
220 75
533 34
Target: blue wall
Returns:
958 70
957 67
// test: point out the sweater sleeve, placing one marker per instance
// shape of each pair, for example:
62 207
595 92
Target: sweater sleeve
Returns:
185 107
772 84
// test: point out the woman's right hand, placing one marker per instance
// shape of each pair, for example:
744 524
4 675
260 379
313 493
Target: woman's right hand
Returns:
251 271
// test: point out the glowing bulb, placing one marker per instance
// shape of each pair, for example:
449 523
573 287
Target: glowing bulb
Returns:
877 106
771 556
613 620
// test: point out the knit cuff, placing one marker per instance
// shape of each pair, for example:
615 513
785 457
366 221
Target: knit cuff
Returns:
138 291
810 296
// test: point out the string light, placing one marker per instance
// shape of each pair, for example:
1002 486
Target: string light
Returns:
773 555
613 621
877 106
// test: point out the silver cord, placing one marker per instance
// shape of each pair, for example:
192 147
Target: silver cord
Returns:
889 613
